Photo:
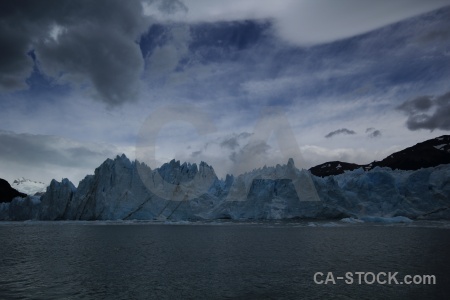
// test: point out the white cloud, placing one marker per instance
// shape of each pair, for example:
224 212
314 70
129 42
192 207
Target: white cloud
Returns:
56 31
270 87
312 22
305 22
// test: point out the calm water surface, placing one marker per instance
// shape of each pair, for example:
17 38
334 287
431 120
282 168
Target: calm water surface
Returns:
70 260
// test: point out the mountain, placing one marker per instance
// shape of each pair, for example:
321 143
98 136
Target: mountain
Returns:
28 186
7 193
333 168
430 153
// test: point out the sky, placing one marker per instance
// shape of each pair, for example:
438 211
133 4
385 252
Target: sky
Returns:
238 84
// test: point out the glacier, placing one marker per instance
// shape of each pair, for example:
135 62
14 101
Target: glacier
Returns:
121 189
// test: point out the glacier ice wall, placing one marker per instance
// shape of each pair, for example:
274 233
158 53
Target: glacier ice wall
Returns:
119 190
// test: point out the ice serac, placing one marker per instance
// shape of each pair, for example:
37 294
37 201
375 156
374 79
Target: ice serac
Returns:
27 208
113 192
56 200
281 192
382 192
21 209
121 189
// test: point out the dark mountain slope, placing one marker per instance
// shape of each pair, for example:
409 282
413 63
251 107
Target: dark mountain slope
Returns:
430 153
7 193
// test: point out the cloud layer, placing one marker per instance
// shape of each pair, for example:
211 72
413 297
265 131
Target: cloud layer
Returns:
304 22
95 43
230 60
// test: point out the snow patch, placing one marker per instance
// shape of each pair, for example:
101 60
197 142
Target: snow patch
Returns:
439 147
28 186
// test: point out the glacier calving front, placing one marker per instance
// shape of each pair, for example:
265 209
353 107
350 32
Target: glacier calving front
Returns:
118 190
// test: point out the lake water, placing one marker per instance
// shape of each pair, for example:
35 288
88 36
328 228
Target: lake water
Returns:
107 260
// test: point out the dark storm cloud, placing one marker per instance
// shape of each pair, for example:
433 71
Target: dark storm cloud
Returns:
372 132
84 42
249 151
375 133
427 112
196 153
441 35
171 6
233 141
340 131
43 150
417 105
230 143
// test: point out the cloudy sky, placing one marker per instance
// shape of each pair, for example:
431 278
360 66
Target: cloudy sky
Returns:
237 84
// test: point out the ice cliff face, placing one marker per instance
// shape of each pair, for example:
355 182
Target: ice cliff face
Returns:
21 209
423 194
55 201
120 189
